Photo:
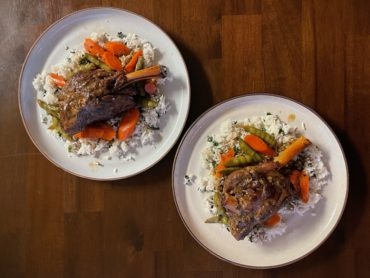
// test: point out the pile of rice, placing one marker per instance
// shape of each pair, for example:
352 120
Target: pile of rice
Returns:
219 143
147 131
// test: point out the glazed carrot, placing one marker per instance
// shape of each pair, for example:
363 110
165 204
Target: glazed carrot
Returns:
117 48
57 79
130 66
92 132
273 220
128 123
93 48
292 150
111 60
259 145
97 131
304 183
224 157
294 179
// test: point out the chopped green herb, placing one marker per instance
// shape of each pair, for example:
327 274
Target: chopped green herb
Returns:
120 35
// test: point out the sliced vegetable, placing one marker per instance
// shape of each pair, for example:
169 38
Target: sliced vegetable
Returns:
57 79
224 157
259 145
245 148
117 48
128 123
273 220
93 48
262 134
147 102
304 183
150 87
130 66
52 110
97 131
97 62
239 161
140 63
292 150
111 60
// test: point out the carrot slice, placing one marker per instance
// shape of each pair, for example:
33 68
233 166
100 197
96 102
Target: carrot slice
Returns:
304 183
57 79
97 131
259 145
117 48
130 66
111 60
128 123
93 48
224 157
292 150
92 132
273 220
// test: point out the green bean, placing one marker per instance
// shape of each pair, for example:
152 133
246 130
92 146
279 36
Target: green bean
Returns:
218 204
97 62
245 148
148 103
262 134
239 161
223 219
139 63
54 123
63 134
52 110
85 67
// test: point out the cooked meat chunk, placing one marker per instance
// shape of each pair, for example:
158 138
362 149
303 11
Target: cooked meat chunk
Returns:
251 195
93 96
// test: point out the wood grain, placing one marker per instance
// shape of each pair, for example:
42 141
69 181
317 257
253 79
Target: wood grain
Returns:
54 224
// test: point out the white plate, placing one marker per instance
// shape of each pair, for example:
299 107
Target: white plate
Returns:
304 234
70 31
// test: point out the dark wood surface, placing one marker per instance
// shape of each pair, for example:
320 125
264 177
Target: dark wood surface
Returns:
53 224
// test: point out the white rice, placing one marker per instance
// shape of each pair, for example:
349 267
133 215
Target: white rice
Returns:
220 142
147 131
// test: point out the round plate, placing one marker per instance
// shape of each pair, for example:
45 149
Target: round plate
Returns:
304 233
70 31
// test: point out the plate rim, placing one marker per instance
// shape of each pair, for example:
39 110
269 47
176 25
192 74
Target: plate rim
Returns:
285 98
36 43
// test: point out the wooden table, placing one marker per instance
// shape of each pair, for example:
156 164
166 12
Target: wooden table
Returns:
53 224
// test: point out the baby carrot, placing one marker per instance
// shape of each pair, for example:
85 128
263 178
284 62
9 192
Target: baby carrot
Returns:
292 150
304 183
273 220
128 123
224 157
259 145
130 66
111 60
57 79
97 131
93 48
117 48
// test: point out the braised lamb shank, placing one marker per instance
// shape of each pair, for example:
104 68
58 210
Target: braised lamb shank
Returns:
99 95
251 195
